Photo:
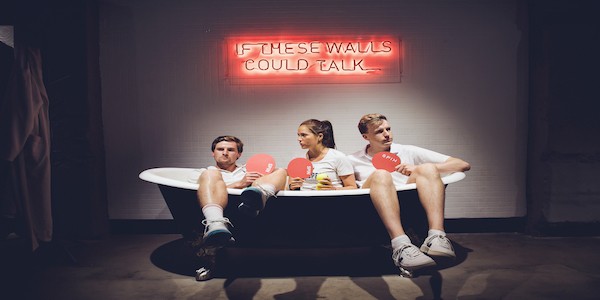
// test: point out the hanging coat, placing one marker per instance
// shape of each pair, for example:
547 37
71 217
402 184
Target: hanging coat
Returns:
25 144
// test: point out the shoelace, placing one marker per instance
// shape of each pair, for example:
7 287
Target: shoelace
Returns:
207 223
411 251
444 241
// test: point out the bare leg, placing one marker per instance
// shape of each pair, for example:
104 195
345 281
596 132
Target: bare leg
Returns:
276 179
212 189
431 193
385 201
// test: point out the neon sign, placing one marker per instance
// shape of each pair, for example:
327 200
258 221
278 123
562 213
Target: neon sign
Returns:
317 60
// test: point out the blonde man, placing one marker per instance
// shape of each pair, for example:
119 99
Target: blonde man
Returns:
418 165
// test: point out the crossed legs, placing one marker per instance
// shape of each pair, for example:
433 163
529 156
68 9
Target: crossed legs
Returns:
213 198
213 190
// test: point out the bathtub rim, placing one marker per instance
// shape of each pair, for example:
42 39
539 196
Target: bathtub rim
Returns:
156 176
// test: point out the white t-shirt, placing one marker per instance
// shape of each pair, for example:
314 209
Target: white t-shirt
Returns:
228 177
334 164
411 155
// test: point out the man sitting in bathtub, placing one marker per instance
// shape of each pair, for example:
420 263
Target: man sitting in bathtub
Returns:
418 165
214 181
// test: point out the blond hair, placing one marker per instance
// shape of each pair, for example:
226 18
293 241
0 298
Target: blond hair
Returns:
368 119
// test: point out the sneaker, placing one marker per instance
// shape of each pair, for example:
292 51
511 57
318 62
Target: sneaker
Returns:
409 257
253 200
438 245
216 233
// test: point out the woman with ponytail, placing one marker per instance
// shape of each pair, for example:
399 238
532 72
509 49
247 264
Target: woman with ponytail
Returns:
331 169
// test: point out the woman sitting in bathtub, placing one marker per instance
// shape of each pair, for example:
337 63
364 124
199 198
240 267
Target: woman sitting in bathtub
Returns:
332 167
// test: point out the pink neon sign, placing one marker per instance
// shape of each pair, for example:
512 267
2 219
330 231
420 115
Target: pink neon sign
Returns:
318 60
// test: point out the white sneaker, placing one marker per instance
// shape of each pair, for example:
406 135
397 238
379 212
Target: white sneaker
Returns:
438 245
409 257
216 233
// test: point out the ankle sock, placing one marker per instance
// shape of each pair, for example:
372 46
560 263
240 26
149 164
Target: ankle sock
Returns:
212 211
400 240
268 188
435 232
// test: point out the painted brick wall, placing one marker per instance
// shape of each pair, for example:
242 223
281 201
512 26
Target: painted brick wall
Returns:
463 91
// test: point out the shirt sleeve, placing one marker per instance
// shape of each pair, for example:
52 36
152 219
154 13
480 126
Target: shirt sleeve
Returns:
344 166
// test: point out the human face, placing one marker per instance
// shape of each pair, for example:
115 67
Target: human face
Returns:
307 138
226 154
380 136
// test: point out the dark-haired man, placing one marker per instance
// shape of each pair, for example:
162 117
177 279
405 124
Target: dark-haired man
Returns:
226 173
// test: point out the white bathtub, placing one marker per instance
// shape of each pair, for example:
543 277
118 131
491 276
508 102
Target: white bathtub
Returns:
295 219
180 178
340 217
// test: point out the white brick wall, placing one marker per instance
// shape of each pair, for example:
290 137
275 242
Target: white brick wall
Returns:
165 97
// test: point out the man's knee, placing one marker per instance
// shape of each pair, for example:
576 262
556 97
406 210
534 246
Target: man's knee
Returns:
280 172
210 175
427 170
380 177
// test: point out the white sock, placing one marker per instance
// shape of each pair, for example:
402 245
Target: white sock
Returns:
269 188
435 232
400 241
212 211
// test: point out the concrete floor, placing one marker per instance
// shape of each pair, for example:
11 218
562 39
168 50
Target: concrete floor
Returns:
159 266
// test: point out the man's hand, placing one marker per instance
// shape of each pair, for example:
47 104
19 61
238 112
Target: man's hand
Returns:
247 181
405 169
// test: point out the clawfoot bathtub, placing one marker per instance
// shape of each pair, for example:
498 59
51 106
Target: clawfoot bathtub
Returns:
294 219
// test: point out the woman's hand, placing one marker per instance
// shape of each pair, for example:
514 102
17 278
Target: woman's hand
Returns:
295 183
325 184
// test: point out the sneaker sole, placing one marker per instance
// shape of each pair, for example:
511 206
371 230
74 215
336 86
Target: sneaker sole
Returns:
413 268
440 254
218 238
430 252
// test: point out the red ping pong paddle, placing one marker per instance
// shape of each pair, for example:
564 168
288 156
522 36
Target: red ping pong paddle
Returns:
300 167
386 161
261 163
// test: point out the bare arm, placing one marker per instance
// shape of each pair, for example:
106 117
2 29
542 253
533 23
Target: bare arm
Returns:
453 164
349 182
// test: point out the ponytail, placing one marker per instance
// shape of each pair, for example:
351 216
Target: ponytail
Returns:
322 127
328 140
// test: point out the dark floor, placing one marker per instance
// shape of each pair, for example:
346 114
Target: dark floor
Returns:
160 266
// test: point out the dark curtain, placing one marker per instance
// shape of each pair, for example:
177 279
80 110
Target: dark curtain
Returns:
25 144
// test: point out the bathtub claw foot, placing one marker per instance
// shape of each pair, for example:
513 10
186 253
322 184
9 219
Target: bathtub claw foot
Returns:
203 274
